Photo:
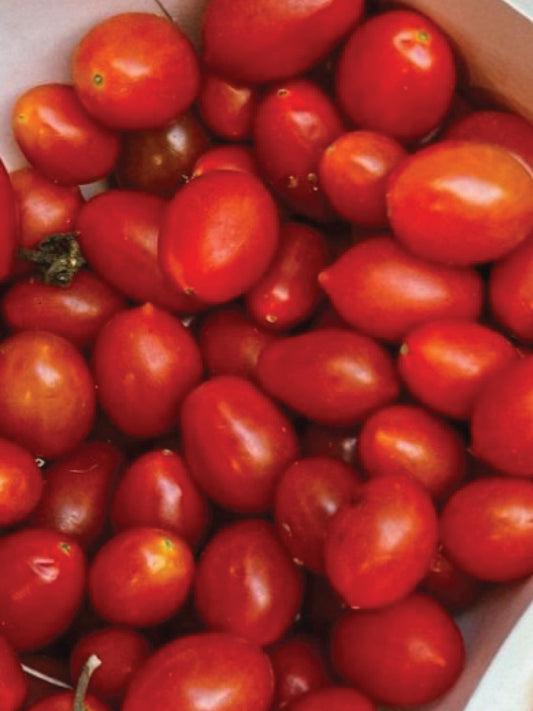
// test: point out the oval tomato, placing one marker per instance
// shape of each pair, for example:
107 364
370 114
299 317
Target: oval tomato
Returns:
8 228
21 483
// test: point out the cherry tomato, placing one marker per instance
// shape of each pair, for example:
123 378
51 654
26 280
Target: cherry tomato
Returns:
8 230
21 483
396 75
44 589
13 681
227 108
461 203
135 70
64 700
333 698
449 584
229 156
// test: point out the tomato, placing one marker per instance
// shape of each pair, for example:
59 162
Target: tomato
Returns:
219 234
47 398
247 584
383 290
21 483
140 576
396 75
449 584
403 655
333 376
487 530
51 666
60 139
337 442
236 442
135 70
63 701
44 589
461 203
144 362
13 680
8 229
334 698
228 156
227 108
275 39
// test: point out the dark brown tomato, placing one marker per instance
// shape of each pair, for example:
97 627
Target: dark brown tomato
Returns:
228 156
13 681
294 124
381 289
144 362
332 376
21 483
227 108
237 443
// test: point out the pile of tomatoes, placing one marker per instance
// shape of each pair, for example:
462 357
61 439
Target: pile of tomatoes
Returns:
266 397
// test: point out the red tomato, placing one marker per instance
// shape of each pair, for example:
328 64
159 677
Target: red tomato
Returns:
487 528
140 577
227 108
379 548
247 584
237 443
333 376
449 584
135 70
47 399
323 441
44 589
55 667
403 655
333 698
145 361
60 139
21 483
228 156
381 289
13 681
461 203
8 229
64 700
396 75
274 39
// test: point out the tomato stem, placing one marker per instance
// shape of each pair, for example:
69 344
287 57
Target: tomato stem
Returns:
92 663
58 257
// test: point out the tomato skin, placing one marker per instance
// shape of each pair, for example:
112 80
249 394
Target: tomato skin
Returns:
273 40
486 528
13 681
21 483
236 442
247 584
51 570
135 70
228 156
461 203
445 363
396 75
324 441
227 108
403 655
219 235
47 399
332 376
299 668
334 698
144 362
60 139
449 584
381 289
8 230
370 569
63 700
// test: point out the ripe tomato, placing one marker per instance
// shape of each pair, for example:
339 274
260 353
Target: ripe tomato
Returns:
228 156
333 698
449 584
21 483
227 108
64 700
299 667
8 229
337 442
13 681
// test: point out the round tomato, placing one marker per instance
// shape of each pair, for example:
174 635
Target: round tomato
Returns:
21 483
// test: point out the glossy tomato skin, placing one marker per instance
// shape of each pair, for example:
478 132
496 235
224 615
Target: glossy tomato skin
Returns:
13 681
219 234
247 584
274 40
63 700
118 234
449 584
8 231
60 139
332 376
486 528
383 290
410 440
404 655
21 483
47 398
334 698
445 363
50 570
337 442
461 203
144 362
226 107
294 123
368 568
135 70
396 75
228 156
236 442
140 577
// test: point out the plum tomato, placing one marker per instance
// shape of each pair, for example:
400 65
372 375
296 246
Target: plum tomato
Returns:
9 225
45 586
236 442
228 156
219 234
332 376
380 547
227 108
21 483
47 393
354 171
383 290
445 363
323 441
486 528
60 139
403 655
13 681
247 584
273 39
144 362
396 75
140 576
135 70
449 584
64 700
299 667
461 202
333 698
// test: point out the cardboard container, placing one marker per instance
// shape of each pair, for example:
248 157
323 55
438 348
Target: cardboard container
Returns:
495 37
